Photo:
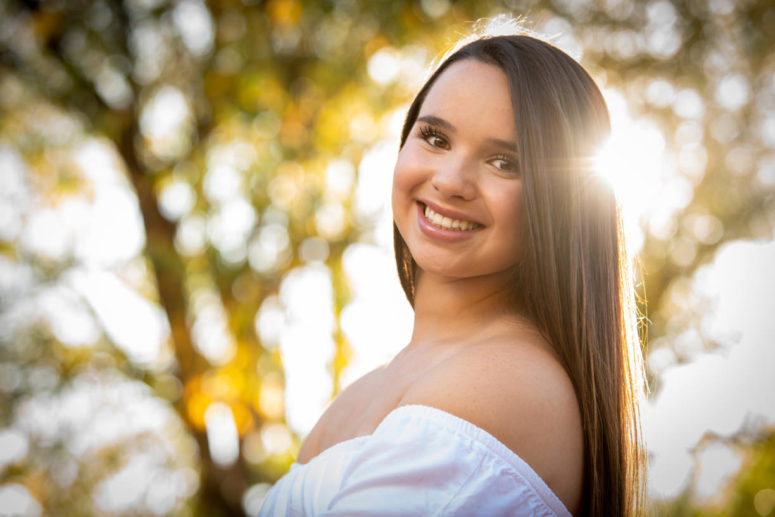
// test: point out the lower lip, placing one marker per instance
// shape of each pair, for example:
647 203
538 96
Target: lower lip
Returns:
441 234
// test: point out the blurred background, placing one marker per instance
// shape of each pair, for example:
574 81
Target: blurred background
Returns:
195 237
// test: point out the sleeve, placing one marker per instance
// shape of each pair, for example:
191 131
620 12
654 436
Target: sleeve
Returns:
416 463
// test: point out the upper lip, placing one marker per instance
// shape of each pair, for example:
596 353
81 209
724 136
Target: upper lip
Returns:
448 212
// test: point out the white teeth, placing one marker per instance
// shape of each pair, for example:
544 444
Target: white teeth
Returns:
446 222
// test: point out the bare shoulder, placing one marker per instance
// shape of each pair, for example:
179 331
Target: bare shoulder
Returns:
520 393
343 406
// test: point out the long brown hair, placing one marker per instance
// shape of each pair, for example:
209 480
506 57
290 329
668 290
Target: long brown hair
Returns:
573 280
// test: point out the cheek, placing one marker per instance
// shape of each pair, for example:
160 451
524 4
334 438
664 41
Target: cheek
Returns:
405 176
506 200
512 214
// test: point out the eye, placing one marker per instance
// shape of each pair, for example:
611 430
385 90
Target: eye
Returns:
505 163
434 137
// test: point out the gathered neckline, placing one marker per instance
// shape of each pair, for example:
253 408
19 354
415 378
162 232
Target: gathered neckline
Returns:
464 428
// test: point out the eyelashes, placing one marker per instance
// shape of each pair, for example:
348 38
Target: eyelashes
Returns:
506 163
435 138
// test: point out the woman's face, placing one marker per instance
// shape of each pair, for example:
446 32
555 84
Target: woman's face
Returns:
457 191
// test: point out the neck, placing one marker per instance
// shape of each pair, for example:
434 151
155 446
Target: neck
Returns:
459 310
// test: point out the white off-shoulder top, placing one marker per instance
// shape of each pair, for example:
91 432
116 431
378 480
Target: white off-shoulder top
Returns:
419 461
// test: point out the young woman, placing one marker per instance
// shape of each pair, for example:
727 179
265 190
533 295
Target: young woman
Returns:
518 392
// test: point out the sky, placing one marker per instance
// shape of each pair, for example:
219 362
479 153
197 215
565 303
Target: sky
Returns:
702 396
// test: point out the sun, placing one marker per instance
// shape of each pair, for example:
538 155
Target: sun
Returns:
631 161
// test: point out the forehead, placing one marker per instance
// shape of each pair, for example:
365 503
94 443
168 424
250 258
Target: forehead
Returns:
474 95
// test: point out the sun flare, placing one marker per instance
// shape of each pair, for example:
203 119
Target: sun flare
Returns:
631 161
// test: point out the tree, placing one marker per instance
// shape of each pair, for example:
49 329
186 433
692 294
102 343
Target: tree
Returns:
224 120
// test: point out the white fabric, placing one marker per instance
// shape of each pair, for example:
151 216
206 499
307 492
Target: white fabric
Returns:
419 461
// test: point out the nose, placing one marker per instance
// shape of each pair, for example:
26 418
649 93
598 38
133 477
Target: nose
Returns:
454 179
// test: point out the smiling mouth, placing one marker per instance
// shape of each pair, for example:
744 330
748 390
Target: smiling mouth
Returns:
447 223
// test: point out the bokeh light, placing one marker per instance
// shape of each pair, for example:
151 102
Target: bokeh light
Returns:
196 238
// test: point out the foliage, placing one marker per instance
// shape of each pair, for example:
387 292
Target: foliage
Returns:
217 126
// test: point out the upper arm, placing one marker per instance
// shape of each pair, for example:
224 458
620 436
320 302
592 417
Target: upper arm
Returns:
340 408
523 397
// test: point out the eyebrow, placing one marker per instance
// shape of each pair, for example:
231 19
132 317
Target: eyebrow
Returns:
444 124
